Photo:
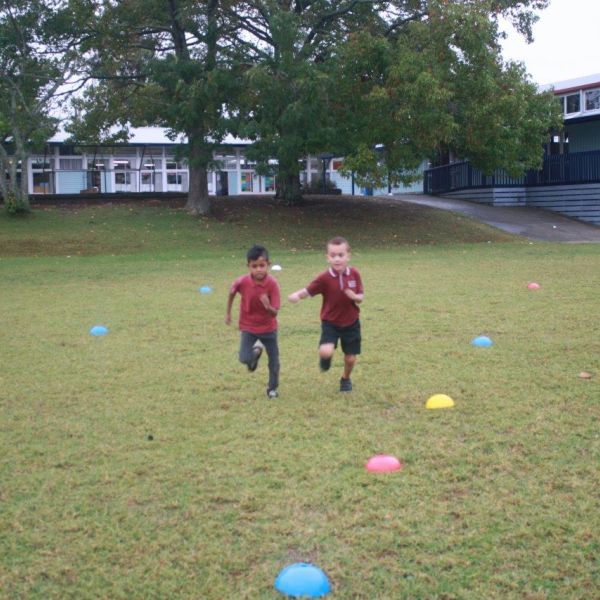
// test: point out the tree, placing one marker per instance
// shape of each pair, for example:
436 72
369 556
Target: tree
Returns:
388 85
167 64
38 58
287 108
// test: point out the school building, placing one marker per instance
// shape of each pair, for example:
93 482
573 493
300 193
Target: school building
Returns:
569 180
148 163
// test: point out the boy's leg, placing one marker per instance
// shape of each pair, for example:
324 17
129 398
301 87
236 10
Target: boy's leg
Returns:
327 344
269 341
325 354
248 353
349 362
351 342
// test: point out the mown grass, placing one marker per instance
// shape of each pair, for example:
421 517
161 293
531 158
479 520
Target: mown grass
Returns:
149 463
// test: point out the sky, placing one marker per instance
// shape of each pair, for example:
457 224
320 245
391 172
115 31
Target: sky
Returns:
565 42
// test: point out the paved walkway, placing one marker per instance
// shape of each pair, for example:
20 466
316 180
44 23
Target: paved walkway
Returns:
533 223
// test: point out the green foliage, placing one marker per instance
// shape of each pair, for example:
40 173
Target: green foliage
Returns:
16 204
163 64
37 58
389 88
440 83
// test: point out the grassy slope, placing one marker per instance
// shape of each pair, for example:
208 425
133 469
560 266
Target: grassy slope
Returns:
497 499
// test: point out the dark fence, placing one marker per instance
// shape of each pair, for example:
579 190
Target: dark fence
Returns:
562 169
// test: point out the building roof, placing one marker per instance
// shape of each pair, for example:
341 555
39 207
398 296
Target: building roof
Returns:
579 83
142 136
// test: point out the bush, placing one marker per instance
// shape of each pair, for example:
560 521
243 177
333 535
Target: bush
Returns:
16 204
316 186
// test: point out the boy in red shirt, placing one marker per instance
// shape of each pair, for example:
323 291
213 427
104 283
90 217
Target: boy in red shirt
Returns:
342 291
259 306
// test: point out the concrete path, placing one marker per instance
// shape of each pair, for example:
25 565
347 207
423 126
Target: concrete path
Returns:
533 223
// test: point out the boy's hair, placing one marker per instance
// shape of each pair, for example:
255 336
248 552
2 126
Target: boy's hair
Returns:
337 241
256 252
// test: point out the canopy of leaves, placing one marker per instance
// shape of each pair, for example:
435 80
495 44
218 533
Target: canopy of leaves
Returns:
38 58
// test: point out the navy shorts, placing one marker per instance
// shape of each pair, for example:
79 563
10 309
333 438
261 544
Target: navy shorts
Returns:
349 336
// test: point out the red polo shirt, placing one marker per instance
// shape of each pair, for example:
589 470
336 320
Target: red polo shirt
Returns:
254 317
337 308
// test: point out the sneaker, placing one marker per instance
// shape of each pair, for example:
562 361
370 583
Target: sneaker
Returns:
345 385
272 394
324 363
258 349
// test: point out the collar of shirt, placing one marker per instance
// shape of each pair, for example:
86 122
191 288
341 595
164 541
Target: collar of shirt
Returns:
255 282
340 276
346 272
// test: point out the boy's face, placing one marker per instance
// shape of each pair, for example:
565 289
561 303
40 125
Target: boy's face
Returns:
258 268
338 256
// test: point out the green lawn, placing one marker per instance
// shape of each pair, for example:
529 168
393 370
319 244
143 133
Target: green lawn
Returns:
149 463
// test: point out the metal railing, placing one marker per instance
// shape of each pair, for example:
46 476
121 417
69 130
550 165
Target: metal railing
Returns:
561 169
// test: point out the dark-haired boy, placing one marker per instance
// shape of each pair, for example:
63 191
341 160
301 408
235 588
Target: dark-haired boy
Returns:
259 305
342 291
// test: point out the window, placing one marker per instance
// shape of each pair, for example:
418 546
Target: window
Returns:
40 163
572 103
41 183
174 178
98 164
174 165
337 164
147 178
67 150
123 178
245 163
269 184
592 100
121 164
247 182
70 164
151 164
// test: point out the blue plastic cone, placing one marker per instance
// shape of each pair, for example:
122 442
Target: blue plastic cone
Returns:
99 330
205 289
482 341
302 580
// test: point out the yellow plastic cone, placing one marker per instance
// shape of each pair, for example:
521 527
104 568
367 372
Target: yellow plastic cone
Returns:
439 401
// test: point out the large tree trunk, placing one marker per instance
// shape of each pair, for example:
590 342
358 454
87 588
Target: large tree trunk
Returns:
288 188
288 180
198 201
14 194
24 191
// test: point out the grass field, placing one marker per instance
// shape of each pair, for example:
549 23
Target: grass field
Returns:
150 464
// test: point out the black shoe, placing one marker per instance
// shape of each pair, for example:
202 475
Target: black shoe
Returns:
324 363
345 385
258 348
272 394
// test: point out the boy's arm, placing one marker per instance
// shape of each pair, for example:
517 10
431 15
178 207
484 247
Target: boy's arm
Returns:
299 295
272 300
358 298
229 305
267 304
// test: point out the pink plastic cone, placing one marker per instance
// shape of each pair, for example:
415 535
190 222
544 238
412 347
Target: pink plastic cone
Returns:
383 463
534 286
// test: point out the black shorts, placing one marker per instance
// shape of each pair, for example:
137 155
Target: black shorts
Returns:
350 336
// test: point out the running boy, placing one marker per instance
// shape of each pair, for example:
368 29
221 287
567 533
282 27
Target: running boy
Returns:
342 291
259 306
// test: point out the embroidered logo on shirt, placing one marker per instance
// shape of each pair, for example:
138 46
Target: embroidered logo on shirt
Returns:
351 283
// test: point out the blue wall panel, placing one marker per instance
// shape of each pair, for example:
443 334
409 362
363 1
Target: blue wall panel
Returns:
71 182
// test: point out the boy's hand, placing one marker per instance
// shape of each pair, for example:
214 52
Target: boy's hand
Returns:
227 319
293 298
265 301
353 295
